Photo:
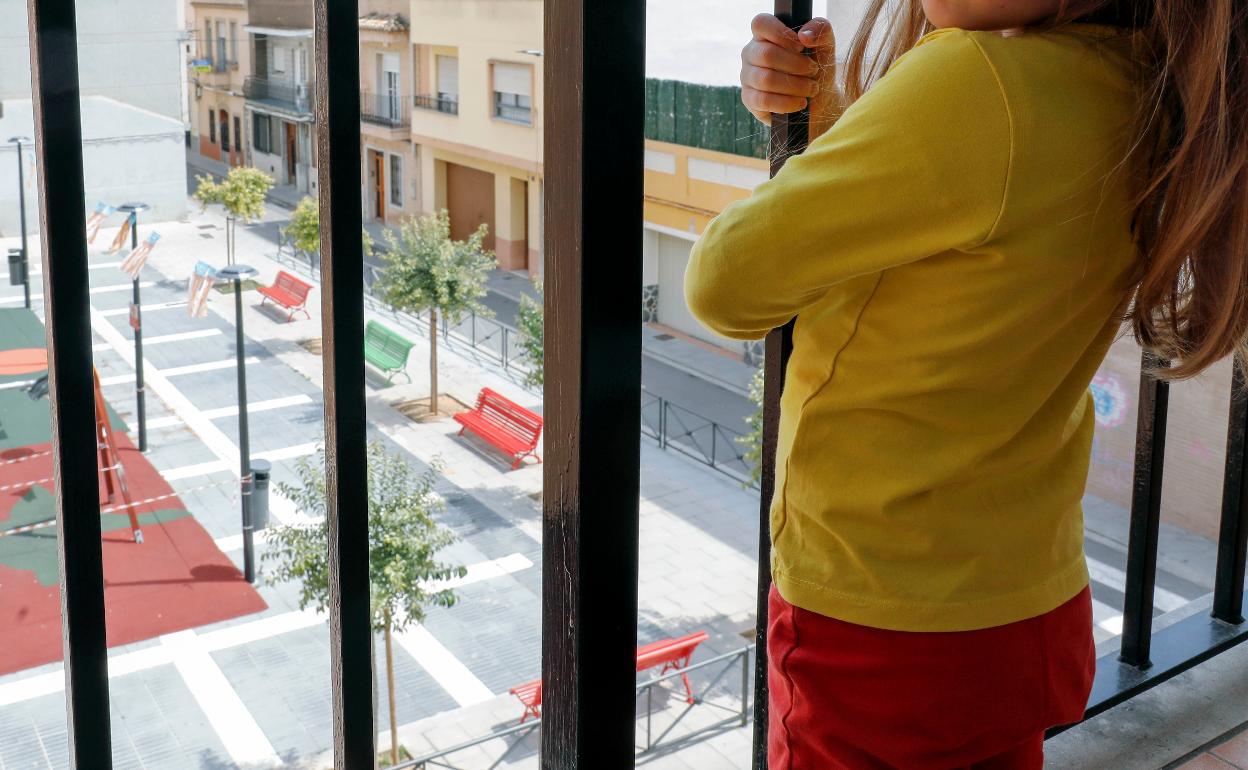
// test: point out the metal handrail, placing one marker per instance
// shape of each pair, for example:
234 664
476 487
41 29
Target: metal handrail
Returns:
740 716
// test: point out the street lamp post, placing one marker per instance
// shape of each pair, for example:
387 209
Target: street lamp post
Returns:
237 274
21 208
136 323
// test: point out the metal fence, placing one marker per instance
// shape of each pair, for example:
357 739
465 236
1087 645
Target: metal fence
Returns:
389 110
723 706
436 103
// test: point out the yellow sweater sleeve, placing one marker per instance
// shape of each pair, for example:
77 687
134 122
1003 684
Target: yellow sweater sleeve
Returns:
915 167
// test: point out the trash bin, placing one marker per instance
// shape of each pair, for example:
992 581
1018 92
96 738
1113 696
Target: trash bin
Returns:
260 470
17 267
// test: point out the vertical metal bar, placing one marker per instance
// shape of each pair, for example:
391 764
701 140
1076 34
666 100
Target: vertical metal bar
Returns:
21 214
1150 451
789 135
595 105
1228 583
342 306
58 146
137 323
745 686
244 438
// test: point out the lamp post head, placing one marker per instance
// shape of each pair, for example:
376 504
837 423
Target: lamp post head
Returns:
237 272
21 140
530 51
133 207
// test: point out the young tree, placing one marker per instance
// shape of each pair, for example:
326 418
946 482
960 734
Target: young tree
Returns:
403 540
426 270
532 333
241 193
304 229
753 440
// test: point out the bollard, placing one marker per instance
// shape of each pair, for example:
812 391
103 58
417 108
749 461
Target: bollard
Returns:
17 267
260 470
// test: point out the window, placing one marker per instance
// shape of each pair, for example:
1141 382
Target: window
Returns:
280 59
206 51
396 180
448 80
234 43
238 134
513 90
220 60
212 127
225 132
262 133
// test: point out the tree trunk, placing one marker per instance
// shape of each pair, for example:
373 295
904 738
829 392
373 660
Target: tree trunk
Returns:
229 239
433 361
394 725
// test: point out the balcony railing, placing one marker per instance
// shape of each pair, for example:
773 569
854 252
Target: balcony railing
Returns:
436 103
389 110
292 96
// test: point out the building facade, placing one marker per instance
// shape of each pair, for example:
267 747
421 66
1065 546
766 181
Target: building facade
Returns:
389 169
280 92
219 64
477 120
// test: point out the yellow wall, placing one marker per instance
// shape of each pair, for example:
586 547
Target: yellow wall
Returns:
677 199
218 90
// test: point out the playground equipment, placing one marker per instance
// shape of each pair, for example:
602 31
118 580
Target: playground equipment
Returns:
33 360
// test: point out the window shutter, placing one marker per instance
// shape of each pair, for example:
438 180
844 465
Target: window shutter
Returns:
513 79
448 75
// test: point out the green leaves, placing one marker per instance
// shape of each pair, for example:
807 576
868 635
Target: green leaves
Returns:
242 193
426 269
753 440
403 538
304 228
532 335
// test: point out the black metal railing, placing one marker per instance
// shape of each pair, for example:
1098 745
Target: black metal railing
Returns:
436 103
298 97
662 727
389 110
683 430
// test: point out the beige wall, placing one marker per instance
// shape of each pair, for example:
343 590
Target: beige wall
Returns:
393 141
218 90
481 31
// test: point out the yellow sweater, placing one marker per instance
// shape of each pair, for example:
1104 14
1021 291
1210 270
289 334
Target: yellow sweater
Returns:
953 249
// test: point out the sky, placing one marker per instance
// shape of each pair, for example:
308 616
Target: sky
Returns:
700 40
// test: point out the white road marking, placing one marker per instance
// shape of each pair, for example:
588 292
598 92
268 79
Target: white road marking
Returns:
117 287
231 411
146 308
52 682
4 277
234 725
444 667
287 453
207 366
1114 578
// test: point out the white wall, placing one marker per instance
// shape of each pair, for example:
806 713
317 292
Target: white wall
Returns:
127 49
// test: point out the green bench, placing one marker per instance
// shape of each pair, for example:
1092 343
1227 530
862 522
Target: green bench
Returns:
386 349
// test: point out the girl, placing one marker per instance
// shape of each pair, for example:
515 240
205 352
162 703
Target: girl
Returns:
1009 182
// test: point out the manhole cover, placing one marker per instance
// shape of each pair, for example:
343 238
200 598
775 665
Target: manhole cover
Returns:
664 337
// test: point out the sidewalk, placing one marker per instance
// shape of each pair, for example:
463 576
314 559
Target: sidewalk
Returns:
677 350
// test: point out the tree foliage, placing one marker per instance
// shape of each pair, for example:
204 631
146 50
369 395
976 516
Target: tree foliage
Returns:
532 334
304 228
403 540
427 270
242 192
752 441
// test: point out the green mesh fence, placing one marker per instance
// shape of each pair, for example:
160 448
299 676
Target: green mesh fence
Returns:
708 117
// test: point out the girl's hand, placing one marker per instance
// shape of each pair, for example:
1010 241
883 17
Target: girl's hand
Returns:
776 76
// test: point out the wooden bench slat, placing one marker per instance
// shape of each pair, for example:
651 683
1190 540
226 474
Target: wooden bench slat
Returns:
504 424
289 292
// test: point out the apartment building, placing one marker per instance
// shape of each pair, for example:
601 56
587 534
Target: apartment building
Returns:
477 120
279 92
387 60
220 62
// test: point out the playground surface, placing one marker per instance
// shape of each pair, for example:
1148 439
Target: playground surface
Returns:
176 579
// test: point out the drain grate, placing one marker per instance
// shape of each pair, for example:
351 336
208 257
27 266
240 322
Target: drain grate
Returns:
664 337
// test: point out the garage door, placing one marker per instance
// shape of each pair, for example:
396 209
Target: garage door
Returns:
673 258
469 201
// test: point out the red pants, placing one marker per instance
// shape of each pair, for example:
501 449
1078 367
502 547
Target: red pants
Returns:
851 697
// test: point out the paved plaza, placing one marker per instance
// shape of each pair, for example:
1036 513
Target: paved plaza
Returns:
254 691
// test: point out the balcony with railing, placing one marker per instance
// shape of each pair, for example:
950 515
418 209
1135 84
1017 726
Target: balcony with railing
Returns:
283 94
437 103
388 111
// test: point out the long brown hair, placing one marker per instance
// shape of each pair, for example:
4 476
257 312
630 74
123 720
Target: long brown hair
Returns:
1190 303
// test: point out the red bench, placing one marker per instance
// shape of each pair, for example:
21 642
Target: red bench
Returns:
289 292
503 424
671 654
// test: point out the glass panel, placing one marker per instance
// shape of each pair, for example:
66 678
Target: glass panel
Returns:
32 694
